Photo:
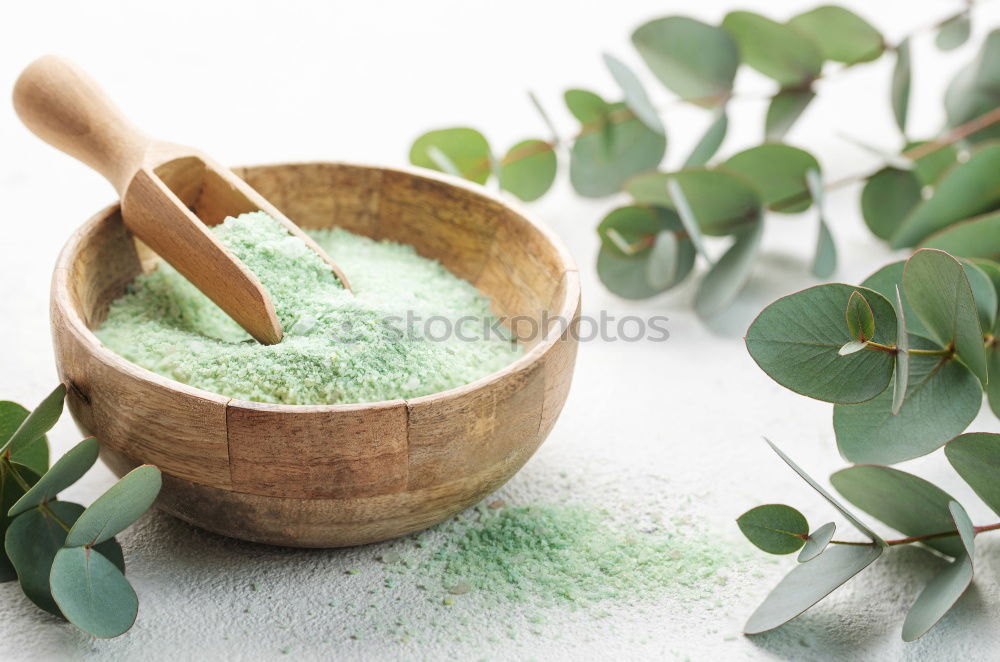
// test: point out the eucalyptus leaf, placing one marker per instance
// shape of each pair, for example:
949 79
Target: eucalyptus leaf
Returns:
67 470
939 293
727 277
975 237
546 119
710 142
116 509
967 190
852 347
810 582
723 203
688 219
983 293
954 32
587 107
848 515
976 458
10 491
528 169
775 50
942 399
859 317
466 148
695 60
887 198
774 528
796 342
92 593
907 503
32 542
817 542
975 90
633 274
942 592
778 172
842 35
601 161
636 98
993 364
900 89
901 375
39 421
783 112
825 256
885 281
33 453
932 165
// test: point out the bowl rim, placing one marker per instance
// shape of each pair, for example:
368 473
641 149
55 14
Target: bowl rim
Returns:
63 298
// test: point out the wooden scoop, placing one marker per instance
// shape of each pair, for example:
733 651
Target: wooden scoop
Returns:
169 194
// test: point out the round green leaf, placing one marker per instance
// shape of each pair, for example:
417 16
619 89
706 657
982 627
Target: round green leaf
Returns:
859 317
942 592
967 190
33 454
842 35
118 508
784 110
954 32
32 542
983 293
636 98
10 492
38 422
817 542
938 290
976 237
930 167
602 160
528 169
976 458
66 471
885 281
695 60
900 89
710 142
466 149
721 202
796 341
975 90
92 593
586 106
887 198
808 583
727 277
942 398
773 49
907 503
774 528
778 172
638 273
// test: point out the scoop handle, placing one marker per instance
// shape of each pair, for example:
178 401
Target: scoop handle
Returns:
64 107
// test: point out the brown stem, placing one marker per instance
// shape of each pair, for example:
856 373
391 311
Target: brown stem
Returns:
929 536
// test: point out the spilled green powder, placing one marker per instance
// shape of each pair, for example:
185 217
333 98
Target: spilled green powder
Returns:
374 344
572 555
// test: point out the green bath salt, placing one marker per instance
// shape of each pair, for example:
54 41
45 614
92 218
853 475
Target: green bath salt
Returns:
393 337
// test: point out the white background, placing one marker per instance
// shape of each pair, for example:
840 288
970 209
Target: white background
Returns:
649 429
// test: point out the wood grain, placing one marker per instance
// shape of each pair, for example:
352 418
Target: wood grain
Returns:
320 476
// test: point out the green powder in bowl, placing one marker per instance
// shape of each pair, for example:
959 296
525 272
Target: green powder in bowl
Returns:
389 339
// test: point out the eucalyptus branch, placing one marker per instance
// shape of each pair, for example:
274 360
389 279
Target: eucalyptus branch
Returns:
915 539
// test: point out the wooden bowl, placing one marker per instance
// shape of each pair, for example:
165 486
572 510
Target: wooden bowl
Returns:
330 475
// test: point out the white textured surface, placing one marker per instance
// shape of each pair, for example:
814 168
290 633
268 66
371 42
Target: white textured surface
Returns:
649 430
